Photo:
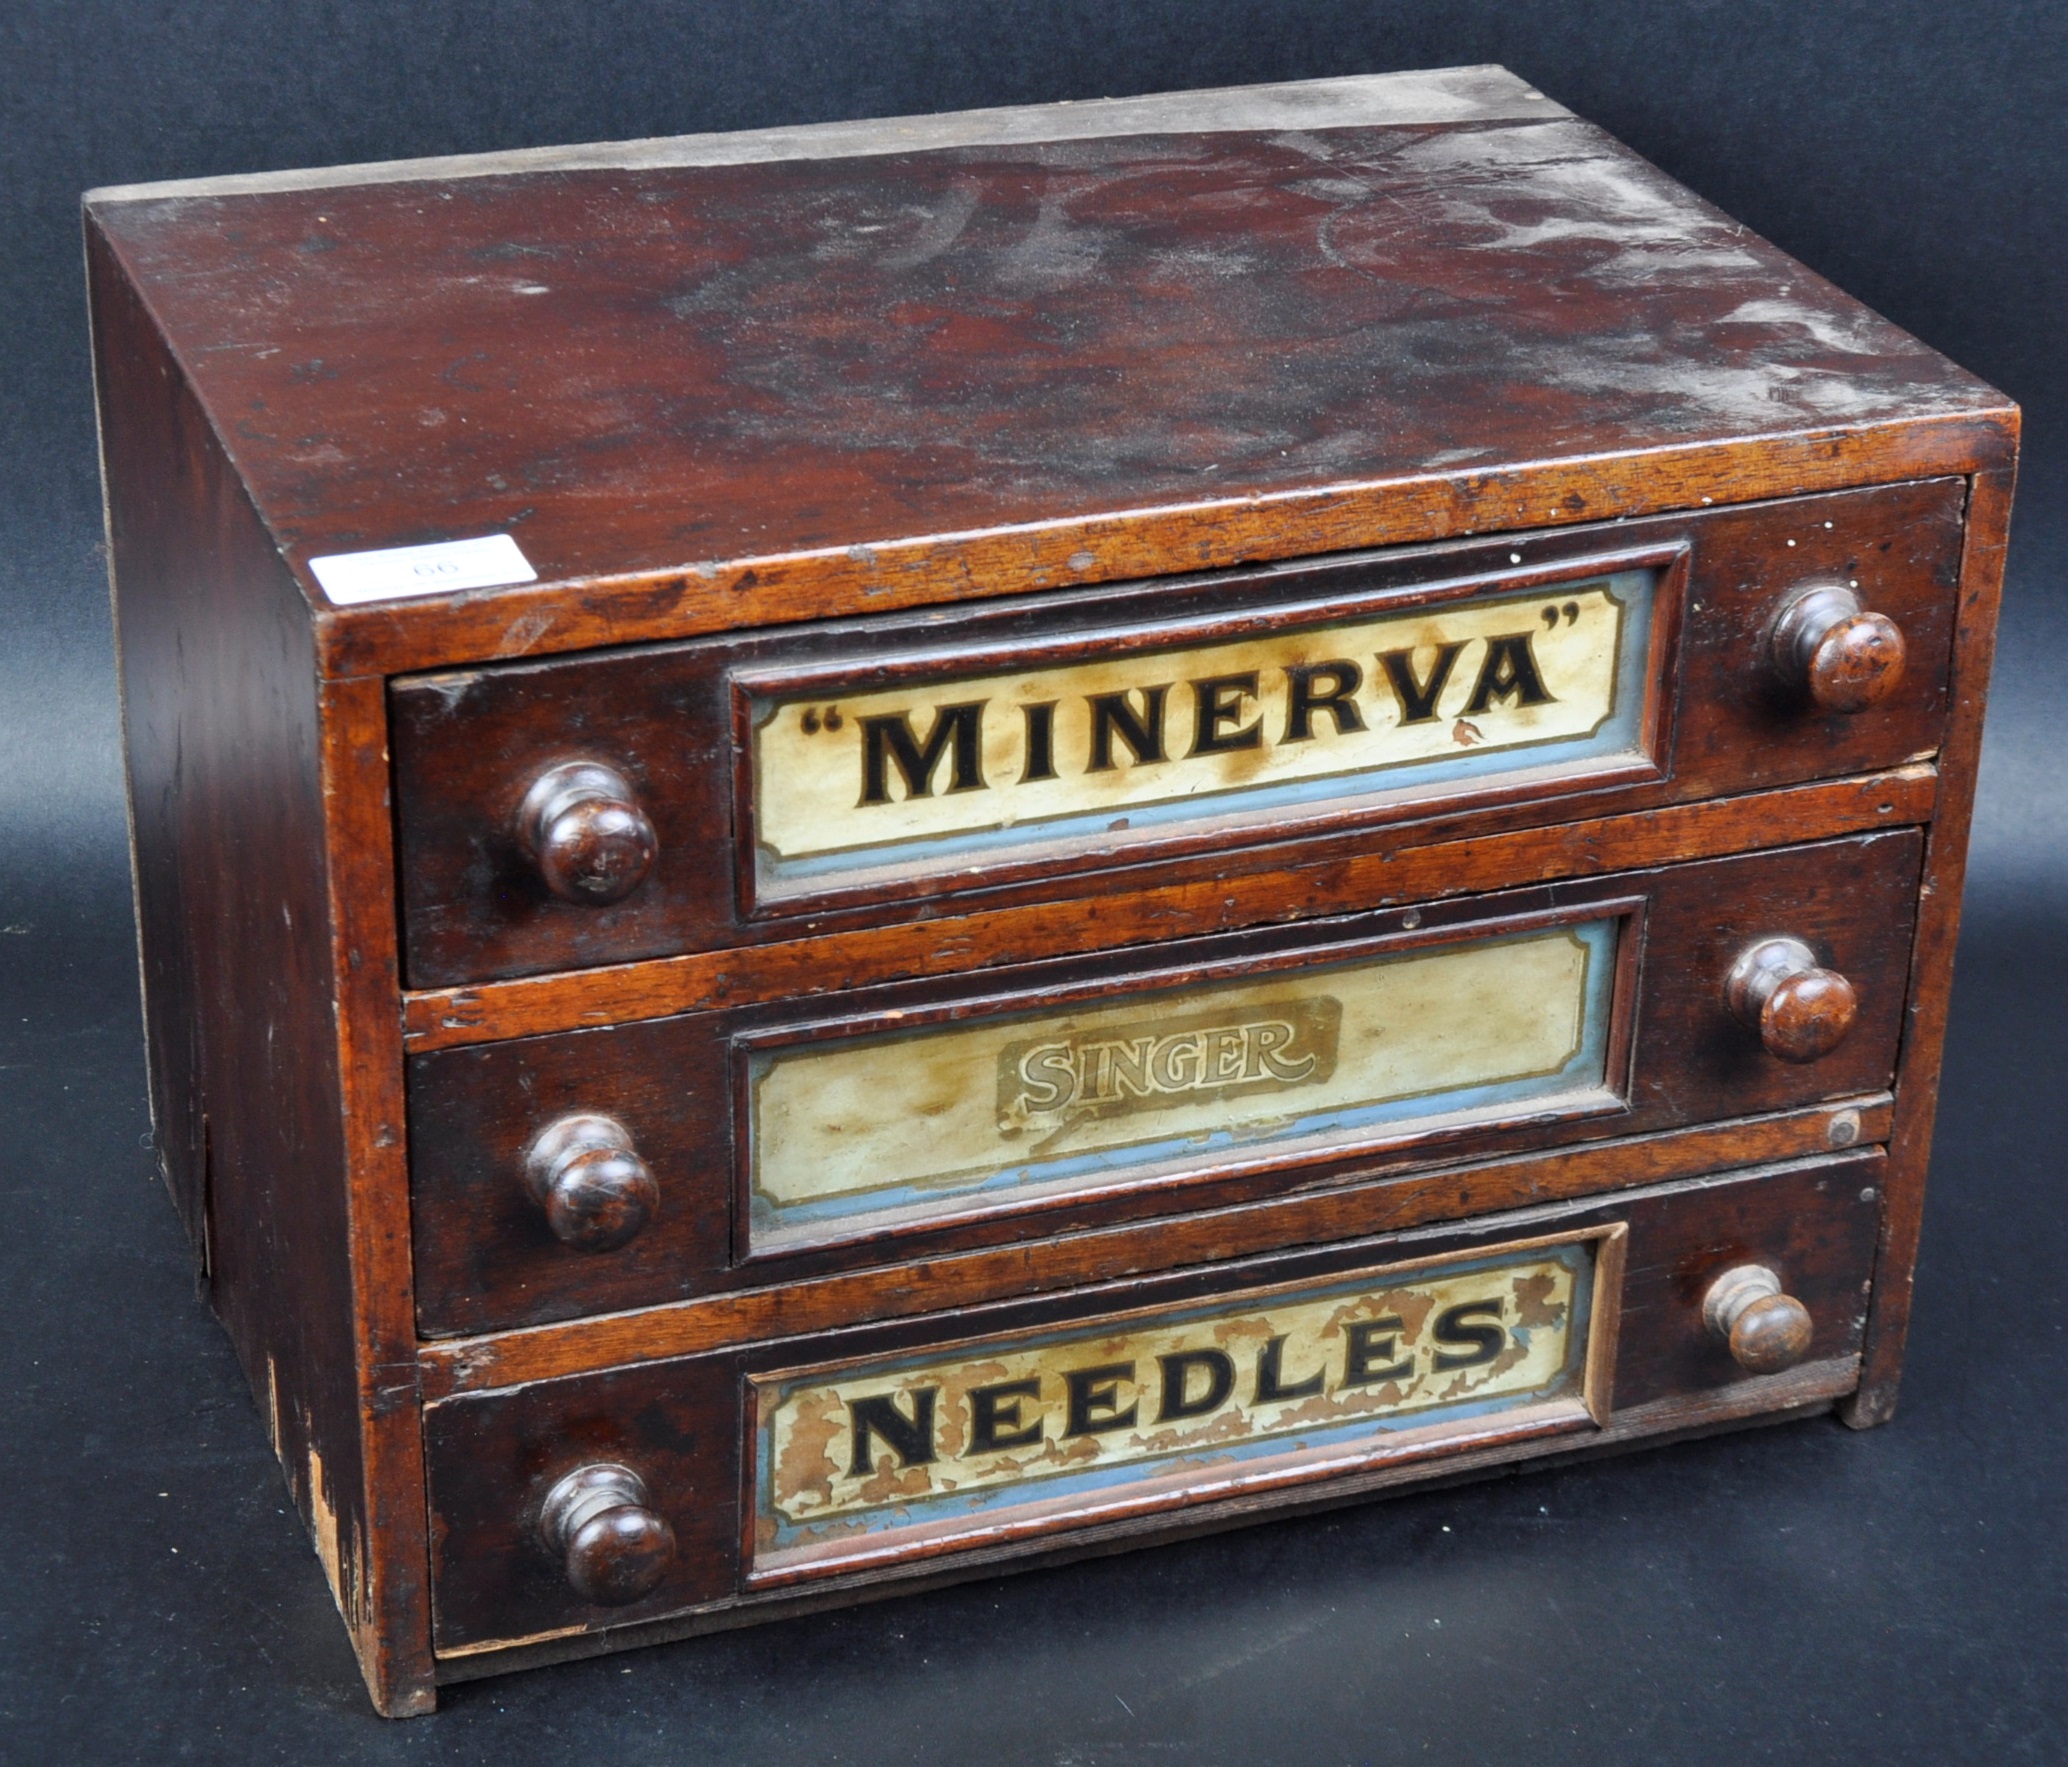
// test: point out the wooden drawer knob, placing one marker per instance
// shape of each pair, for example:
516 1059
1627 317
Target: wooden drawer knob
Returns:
1767 1331
1801 1012
596 1521
598 1194
1848 659
584 830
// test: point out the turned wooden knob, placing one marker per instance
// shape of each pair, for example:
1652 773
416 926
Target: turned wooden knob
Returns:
598 1194
596 1521
584 830
1847 658
1767 1331
1801 1012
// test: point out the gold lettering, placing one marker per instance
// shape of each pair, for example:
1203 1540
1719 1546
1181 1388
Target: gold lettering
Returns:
1329 709
1052 1059
1224 1057
1114 714
1142 1067
1107 1400
1169 1076
1131 1076
1041 742
1267 1040
1303 697
957 731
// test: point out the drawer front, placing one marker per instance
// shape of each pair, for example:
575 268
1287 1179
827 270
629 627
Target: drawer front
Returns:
595 1171
622 805
888 1450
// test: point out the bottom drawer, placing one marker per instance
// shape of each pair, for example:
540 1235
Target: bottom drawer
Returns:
934 1445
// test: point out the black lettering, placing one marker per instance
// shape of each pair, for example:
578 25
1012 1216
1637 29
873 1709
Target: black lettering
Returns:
957 731
1454 1326
1371 1342
994 1416
1509 671
1094 1399
1303 697
1217 706
1113 714
910 1438
1418 698
1177 1375
1041 742
1271 1384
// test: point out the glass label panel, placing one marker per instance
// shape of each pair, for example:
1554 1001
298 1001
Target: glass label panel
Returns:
848 1136
955 768
1169 1405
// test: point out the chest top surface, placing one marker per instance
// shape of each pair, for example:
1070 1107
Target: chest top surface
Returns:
702 355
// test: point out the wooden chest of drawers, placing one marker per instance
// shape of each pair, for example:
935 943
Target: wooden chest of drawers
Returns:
870 851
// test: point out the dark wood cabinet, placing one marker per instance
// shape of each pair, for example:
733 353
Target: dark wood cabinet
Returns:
875 851
697 1430
1594 1010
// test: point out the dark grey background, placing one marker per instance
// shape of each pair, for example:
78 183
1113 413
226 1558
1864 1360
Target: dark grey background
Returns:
1798 1594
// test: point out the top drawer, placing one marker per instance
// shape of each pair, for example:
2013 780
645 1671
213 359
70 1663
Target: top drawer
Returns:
620 805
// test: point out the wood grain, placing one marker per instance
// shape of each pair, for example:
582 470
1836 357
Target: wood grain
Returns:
774 409
811 388
270 978
486 1259
1252 889
667 1418
394 1637
1804 1392
1410 1199
469 743
1938 930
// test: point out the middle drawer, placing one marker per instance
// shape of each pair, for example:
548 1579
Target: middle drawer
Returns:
592 1171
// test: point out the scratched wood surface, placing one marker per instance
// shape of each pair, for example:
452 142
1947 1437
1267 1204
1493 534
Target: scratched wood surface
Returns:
486 1260
269 977
681 377
994 377
452 1366
469 742
682 1423
1938 930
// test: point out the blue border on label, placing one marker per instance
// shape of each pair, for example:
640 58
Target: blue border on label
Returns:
1620 733
777 1227
1579 1256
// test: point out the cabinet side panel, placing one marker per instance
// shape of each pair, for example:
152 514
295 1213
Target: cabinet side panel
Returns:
225 743
1938 929
150 492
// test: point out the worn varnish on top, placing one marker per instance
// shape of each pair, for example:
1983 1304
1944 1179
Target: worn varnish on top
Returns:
673 360
854 1005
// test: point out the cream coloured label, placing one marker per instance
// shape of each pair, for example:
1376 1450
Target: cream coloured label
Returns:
846 1136
945 768
1088 1414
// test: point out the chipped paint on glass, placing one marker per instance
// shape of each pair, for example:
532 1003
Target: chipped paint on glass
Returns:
1169 1404
848 1135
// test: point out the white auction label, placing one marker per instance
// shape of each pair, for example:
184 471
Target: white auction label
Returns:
439 569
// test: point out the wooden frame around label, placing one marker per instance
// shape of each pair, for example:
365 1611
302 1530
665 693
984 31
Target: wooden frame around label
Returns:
870 671
484 1260
1590 1410
663 718
1167 1179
